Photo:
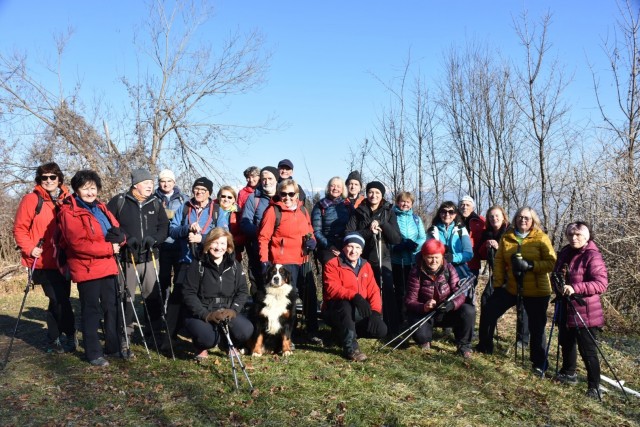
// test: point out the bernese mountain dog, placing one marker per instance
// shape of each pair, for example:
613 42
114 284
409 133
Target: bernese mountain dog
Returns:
274 313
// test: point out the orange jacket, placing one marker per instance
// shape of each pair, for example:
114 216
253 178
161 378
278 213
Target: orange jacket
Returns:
284 245
341 283
28 227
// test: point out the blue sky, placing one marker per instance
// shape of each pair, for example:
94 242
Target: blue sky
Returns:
325 55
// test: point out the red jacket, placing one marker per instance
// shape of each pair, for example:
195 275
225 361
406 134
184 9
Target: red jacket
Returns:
89 256
284 244
243 195
475 225
342 283
28 227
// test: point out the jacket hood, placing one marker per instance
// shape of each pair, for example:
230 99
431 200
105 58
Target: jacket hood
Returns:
64 192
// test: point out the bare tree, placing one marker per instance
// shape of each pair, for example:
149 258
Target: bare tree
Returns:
182 86
541 83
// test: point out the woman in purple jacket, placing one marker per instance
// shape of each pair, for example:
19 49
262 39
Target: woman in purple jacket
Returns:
581 265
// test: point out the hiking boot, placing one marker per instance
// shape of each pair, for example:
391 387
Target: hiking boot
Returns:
521 345
357 356
567 378
100 361
202 356
466 354
125 354
55 346
315 340
425 347
537 372
71 343
594 393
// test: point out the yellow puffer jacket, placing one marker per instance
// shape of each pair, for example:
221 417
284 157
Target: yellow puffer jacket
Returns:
536 247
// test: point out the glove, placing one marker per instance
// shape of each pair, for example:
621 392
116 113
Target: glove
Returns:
148 243
219 315
411 245
212 317
228 313
375 322
521 264
445 308
449 257
115 235
133 244
309 245
362 305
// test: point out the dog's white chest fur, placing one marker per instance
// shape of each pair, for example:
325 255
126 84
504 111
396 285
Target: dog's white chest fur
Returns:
275 305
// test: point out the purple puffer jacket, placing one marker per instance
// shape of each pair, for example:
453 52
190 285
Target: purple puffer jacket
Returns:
421 287
588 277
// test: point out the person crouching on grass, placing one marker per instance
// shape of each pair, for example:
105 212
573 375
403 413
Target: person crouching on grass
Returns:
430 283
352 303
216 290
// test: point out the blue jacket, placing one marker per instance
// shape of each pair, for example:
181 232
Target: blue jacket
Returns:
171 205
252 215
411 229
458 243
329 223
179 229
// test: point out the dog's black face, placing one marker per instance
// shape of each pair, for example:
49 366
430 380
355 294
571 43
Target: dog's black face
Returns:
277 276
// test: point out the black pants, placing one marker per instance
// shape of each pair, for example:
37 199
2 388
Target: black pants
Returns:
400 278
207 335
57 288
497 305
169 264
175 310
98 297
346 322
255 266
461 320
302 276
568 337
390 312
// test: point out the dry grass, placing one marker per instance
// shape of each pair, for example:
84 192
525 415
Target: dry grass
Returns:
313 387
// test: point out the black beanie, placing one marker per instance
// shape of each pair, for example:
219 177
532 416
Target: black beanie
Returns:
271 169
377 185
354 175
203 182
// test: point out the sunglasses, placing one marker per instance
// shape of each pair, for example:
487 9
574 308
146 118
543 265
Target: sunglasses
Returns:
290 194
224 196
48 177
447 212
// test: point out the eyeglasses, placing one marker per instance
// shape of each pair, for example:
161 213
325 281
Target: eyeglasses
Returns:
447 212
290 194
48 177
524 218
224 196
200 190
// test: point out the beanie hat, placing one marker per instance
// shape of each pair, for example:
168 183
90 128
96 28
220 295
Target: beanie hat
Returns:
467 198
353 238
285 163
203 182
139 175
432 246
354 175
271 169
166 174
377 185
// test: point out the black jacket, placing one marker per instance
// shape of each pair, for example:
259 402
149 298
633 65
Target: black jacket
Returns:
209 287
139 220
361 220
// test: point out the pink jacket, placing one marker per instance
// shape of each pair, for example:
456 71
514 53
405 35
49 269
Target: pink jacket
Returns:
587 274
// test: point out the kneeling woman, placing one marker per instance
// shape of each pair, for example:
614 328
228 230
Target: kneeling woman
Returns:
216 290
430 283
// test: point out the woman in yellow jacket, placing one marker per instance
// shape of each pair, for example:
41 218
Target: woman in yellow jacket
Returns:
523 262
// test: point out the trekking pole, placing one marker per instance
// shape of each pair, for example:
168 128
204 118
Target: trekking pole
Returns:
556 309
463 286
163 309
121 294
581 301
144 303
24 299
233 354
519 275
135 314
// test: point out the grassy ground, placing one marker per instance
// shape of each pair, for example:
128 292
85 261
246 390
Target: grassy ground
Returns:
315 386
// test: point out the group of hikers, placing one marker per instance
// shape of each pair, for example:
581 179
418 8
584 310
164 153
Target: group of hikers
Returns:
382 268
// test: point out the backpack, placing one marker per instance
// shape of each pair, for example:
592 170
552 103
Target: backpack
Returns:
278 211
